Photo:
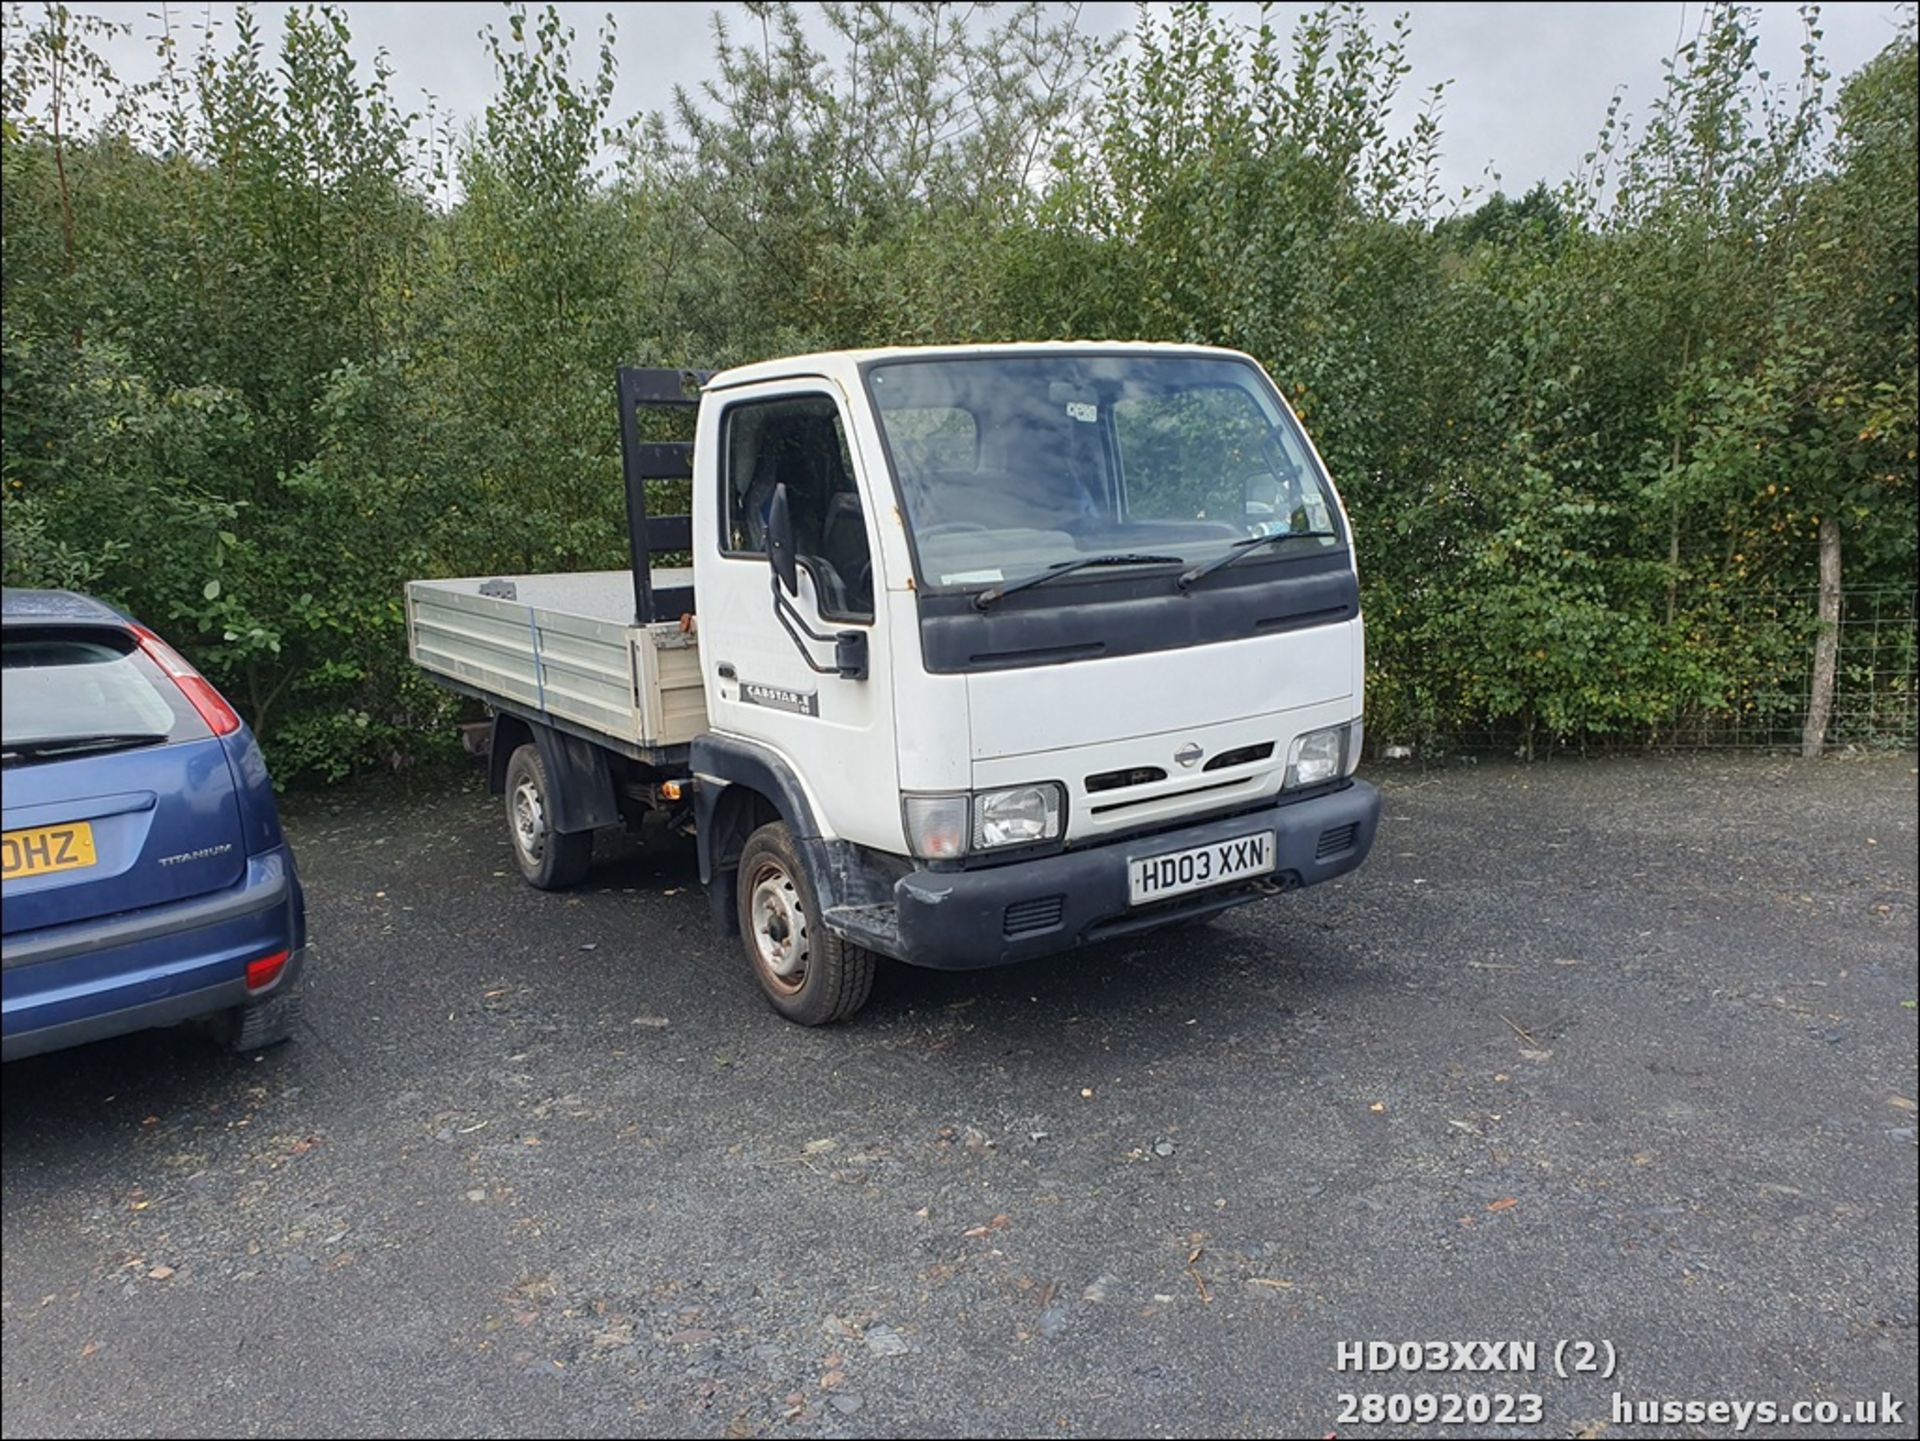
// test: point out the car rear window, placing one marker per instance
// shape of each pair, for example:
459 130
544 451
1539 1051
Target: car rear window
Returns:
67 685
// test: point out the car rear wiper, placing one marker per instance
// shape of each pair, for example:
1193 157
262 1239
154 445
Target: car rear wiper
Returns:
69 745
1246 547
1068 567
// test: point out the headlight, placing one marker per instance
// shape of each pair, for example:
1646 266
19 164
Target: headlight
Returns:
947 826
1020 816
1323 755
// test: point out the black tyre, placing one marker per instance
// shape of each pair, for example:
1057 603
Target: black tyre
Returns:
259 1024
546 857
809 974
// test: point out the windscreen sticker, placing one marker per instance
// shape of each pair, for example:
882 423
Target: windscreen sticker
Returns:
1080 410
970 577
774 697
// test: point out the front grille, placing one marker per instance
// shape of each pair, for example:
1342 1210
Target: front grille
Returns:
1173 795
1042 913
1245 755
1337 841
1117 780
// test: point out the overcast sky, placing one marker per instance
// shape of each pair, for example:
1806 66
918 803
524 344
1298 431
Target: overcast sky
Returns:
1531 81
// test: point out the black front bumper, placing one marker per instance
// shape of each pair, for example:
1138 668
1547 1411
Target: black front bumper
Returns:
964 920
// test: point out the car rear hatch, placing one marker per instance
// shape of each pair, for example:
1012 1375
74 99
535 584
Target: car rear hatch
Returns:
118 792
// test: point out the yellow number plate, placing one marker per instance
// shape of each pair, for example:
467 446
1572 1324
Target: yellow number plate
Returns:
46 848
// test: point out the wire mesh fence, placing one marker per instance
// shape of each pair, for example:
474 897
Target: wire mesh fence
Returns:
1874 691
1758 660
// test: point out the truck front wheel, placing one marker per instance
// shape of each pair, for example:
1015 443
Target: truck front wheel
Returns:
546 857
809 974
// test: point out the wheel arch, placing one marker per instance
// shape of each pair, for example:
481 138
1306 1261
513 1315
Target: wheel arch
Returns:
583 796
741 787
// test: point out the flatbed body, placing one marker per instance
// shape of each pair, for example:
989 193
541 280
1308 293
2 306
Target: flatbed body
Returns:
565 649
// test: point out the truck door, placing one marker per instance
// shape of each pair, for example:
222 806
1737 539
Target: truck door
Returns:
763 683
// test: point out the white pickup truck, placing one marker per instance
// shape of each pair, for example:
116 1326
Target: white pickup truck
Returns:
984 653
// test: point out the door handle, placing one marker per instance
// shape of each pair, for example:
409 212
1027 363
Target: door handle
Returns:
726 670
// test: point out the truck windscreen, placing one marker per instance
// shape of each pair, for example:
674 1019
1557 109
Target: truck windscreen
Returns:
1009 465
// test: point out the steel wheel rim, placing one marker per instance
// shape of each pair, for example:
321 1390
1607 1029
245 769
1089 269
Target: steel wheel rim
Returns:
529 820
778 918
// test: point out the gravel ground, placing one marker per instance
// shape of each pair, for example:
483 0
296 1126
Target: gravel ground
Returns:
1617 1051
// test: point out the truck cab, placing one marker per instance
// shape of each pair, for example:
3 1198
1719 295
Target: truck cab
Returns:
1006 650
1024 647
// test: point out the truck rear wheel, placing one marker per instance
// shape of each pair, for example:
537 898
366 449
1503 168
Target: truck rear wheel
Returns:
809 974
547 858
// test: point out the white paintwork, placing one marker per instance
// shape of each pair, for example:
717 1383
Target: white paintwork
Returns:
845 756
1138 710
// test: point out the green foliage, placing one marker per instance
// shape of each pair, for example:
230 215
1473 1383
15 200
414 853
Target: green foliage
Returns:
270 345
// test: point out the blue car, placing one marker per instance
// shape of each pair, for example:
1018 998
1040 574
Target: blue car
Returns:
146 881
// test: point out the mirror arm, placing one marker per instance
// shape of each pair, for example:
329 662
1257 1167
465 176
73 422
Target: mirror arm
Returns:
849 646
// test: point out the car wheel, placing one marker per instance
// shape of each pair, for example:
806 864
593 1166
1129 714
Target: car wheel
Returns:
548 859
809 974
259 1024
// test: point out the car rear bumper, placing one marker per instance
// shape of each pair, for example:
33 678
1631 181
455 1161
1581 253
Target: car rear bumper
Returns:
963 920
149 1015
64 985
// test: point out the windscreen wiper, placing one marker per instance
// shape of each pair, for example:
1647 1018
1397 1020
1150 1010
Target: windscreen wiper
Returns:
69 745
1246 547
1068 567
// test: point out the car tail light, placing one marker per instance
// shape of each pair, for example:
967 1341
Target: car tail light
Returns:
198 690
265 971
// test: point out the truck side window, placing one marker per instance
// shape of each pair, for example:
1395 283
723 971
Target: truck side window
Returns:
799 442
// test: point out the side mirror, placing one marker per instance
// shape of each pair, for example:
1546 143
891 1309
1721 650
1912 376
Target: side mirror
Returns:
850 654
780 541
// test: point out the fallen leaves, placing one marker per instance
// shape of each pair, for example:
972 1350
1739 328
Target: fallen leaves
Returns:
1197 1248
998 1223
1505 1203
161 1273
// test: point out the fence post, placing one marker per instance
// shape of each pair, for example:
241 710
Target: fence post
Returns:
1826 649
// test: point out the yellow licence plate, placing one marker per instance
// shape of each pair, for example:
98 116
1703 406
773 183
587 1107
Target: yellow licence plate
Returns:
46 848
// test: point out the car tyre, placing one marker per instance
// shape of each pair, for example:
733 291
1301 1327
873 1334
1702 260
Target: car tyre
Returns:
260 1024
548 859
808 974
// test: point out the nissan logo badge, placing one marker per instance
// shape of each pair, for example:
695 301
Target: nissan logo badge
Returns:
1189 755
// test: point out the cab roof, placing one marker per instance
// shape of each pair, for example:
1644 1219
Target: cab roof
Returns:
845 364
